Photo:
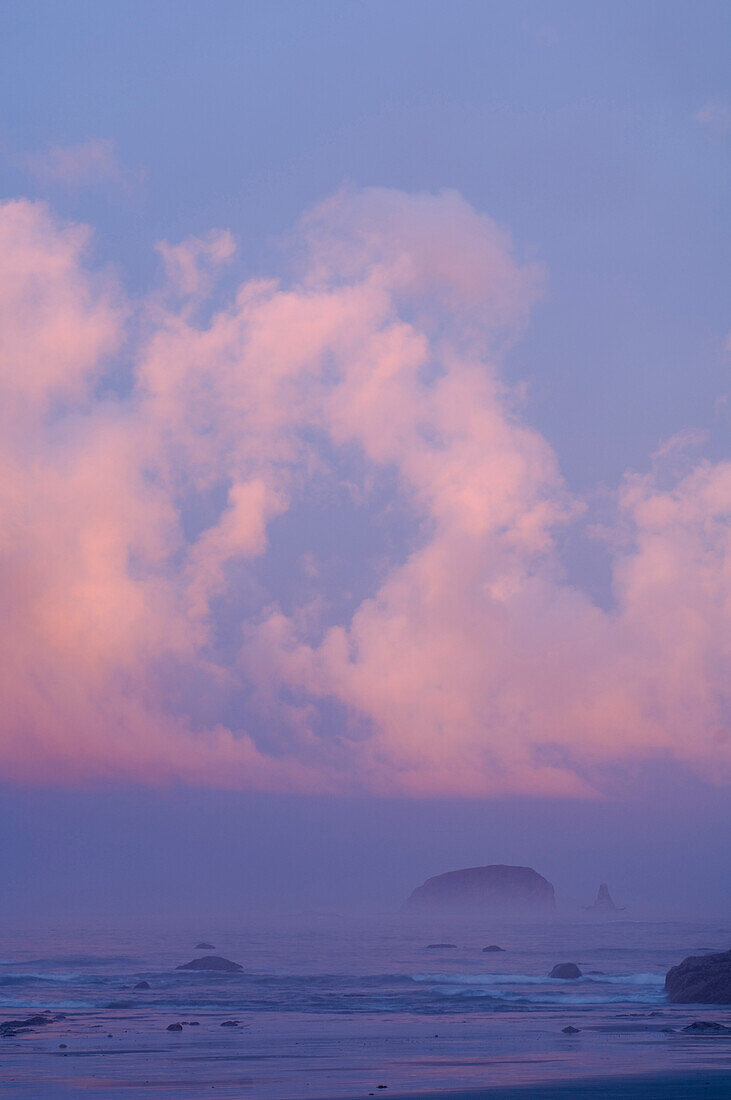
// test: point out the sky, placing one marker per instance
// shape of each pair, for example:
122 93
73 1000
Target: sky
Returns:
364 465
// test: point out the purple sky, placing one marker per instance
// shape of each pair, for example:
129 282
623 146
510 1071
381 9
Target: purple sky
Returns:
365 467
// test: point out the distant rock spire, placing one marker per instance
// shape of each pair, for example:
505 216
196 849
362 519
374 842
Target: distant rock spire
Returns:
603 903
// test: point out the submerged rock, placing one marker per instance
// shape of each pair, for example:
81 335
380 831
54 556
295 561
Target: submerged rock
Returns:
567 971
210 962
441 946
492 947
142 985
571 1030
700 979
204 947
707 1026
496 888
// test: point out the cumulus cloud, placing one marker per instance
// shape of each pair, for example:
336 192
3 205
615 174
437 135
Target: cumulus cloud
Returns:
172 610
93 163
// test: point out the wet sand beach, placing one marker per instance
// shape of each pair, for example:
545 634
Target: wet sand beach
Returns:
333 1013
698 1086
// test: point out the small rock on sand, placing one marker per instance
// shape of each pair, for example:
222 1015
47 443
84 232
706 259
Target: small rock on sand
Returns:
142 985
174 1027
709 1027
571 1030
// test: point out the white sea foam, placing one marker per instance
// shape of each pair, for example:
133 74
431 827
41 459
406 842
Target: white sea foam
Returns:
493 979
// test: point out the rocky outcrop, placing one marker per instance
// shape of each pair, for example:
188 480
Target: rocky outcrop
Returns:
9 1028
474 890
210 962
567 971
492 947
700 979
603 903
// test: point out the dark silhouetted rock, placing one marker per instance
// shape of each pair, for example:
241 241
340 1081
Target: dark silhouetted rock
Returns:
571 1030
142 985
204 947
707 1026
8 1028
567 971
174 1027
497 888
603 903
210 962
230 1023
493 947
700 979
441 946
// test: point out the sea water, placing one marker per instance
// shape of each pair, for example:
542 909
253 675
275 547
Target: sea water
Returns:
329 1006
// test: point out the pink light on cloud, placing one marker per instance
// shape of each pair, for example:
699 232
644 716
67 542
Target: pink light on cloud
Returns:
715 116
137 611
93 163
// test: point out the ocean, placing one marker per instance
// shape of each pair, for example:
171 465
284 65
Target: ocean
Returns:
334 1007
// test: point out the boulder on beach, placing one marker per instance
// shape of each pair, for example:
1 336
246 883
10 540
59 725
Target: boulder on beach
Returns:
603 903
567 971
700 979
492 947
174 1027
204 947
210 962
476 890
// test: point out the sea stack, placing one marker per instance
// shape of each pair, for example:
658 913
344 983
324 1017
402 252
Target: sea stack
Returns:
476 890
210 962
603 903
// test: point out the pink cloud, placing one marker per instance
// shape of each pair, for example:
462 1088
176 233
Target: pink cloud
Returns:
469 666
92 163
714 115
